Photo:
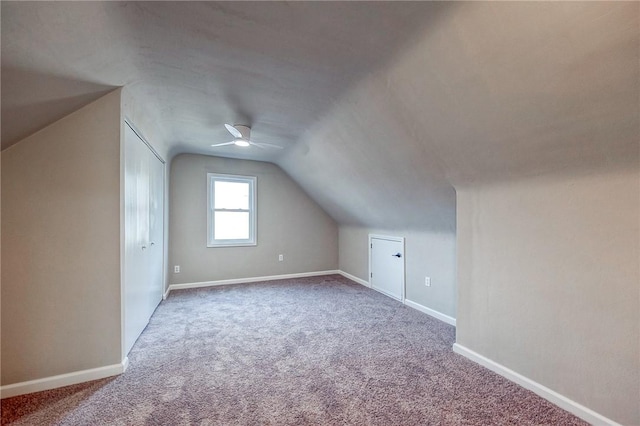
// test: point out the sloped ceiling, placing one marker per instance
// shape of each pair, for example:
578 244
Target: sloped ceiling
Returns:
382 107
275 66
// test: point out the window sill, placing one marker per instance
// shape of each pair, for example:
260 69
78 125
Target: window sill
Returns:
217 245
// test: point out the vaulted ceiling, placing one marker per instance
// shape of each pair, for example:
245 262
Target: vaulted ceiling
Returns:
382 107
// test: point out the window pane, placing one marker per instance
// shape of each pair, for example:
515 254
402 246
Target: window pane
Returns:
231 226
231 195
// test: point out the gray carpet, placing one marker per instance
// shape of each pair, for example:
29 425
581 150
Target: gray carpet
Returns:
319 350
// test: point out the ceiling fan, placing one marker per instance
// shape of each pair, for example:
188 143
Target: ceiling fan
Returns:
242 138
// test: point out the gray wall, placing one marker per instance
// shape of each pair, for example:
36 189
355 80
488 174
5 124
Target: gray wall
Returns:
427 254
289 223
61 246
549 284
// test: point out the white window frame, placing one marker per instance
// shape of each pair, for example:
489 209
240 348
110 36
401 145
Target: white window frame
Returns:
253 210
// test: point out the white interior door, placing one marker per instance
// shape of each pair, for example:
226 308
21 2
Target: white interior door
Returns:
386 260
143 235
156 230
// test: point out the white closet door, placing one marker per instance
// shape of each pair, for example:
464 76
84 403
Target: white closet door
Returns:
156 230
143 234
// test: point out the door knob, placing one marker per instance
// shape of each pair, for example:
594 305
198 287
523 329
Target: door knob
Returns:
397 255
144 247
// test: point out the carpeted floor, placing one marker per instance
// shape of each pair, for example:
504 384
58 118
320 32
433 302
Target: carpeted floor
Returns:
319 350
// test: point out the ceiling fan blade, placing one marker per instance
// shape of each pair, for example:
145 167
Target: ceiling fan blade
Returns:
266 145
225 143
235 132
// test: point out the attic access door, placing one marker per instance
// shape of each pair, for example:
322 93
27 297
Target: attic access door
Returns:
386 265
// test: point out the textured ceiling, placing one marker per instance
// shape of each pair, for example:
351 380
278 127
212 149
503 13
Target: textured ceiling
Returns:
491 92
275 66
383 107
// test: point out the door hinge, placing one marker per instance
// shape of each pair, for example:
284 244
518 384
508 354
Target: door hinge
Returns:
372 275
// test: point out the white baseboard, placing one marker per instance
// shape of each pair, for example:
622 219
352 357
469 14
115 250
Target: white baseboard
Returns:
264 278
438 315
249 280
354 278
552 396
414 305
61 380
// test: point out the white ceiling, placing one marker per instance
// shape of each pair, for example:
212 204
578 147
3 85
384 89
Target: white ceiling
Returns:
383 107
275 66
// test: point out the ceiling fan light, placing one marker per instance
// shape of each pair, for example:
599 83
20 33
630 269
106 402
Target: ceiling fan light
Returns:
241 142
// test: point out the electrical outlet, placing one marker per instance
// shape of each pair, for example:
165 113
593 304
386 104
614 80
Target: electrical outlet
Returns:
176 269
427 281
280 257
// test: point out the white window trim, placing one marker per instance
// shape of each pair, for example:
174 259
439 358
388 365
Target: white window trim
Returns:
253 210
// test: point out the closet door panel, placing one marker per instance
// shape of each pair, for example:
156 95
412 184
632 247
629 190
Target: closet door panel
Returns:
156 231
143 234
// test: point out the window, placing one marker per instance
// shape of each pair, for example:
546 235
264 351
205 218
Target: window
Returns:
231 213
